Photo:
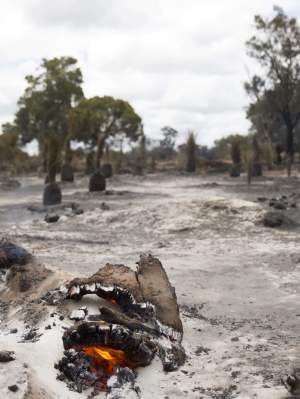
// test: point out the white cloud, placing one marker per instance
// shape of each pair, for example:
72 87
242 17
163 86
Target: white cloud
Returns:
178 63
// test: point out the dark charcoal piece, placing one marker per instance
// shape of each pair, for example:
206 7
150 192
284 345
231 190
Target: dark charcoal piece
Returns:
276 219
52 218
279 205
292 383
52 194
123 381
7 356
11 254
97 182
67 173
13 388
139 349
107 170
76 209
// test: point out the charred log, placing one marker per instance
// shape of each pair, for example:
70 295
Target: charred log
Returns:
140 320
138 348
146 294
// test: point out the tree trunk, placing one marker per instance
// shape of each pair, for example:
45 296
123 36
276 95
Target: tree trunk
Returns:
43 150
90 162
270 153
289 144
53 157
68 155
107 154
100 148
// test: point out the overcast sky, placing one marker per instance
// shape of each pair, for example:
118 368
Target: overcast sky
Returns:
179 63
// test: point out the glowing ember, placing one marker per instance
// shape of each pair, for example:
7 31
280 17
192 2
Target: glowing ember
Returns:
106 358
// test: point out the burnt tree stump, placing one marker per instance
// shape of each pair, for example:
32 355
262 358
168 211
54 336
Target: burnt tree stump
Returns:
67 173
141 304
107 170
97 182
52 194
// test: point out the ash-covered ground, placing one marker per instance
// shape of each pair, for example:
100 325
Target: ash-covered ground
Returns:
237 282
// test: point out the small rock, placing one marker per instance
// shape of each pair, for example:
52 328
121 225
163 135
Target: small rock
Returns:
104 207
7 356
279 205
235 339
276 219
52 218
13 388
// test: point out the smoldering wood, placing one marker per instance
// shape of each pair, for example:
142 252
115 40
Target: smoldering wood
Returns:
145 292
140 317
156 289
115 317
139 349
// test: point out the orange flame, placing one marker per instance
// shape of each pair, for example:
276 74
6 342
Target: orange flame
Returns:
106 358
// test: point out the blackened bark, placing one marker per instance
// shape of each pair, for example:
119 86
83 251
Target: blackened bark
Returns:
100 148
53 157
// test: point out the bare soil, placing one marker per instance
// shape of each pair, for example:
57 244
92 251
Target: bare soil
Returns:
237 282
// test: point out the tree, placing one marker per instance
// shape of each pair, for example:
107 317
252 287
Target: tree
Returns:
191 150
12 158
44 108
235 151
96 119
276 47
166 147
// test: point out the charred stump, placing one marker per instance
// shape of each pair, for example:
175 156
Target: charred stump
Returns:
97 182
140 319
67 173
107 170
52 194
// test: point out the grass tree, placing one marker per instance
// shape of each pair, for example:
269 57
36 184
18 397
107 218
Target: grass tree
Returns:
191 153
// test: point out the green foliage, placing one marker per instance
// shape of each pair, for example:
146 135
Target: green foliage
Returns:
223 147
44 108
276 91
96 119
12 158
236 155
191 153
166 148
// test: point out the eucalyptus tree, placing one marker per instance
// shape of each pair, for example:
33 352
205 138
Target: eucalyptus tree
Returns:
44 108
97 119
276 48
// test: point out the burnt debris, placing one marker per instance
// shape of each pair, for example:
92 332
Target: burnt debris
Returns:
139 320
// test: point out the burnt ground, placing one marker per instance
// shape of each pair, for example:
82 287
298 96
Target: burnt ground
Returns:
237 282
